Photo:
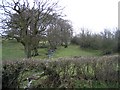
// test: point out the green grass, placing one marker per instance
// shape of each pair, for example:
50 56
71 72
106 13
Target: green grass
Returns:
13 50
74 50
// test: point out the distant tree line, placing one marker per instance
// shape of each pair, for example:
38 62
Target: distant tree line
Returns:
107 41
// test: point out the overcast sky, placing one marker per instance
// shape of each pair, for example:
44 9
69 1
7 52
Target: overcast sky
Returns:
96 15
92 14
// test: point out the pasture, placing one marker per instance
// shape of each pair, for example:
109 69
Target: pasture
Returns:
11 49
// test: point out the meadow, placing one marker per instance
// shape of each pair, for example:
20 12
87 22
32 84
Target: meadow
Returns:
11 49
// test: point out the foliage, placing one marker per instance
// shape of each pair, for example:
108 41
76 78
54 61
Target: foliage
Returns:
106 41
76 72
75 40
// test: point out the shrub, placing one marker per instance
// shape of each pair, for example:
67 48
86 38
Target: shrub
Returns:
81 72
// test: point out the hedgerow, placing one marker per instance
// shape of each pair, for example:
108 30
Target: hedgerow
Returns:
76 72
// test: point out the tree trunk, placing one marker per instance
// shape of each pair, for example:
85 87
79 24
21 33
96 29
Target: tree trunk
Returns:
36 52
28 51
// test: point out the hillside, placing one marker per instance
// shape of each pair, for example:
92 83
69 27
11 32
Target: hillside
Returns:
13 50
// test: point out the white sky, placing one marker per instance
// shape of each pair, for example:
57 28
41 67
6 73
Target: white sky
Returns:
96 15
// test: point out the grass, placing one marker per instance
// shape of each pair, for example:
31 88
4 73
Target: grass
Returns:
74 50
13 50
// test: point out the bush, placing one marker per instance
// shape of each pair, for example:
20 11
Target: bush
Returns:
105 41
75 40
76 72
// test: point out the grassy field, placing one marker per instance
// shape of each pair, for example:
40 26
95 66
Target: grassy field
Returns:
81 72
13 50
74 50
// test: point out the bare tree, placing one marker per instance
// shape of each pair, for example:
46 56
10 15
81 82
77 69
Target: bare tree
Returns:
26 21
59 33
66 32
